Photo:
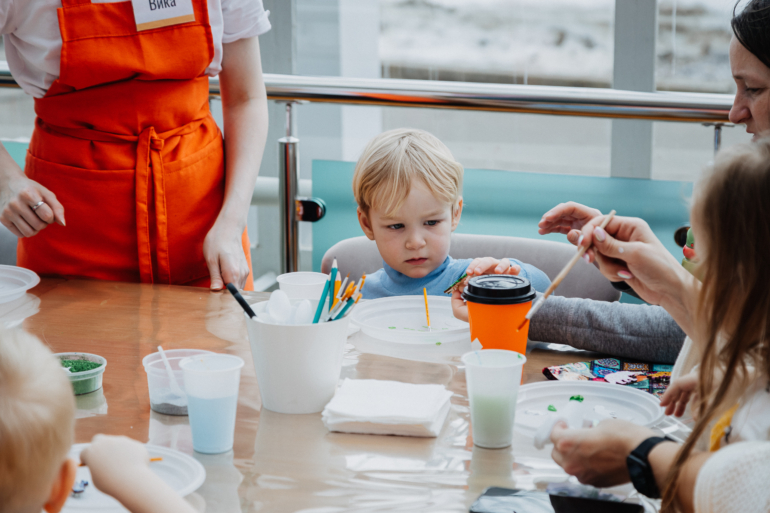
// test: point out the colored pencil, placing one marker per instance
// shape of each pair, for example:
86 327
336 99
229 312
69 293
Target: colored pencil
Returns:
334 279
427 312
348 306
322 302
337 286
563 274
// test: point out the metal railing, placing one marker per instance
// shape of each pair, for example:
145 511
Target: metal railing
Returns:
711 109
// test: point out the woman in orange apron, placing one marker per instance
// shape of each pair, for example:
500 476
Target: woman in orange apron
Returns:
125 146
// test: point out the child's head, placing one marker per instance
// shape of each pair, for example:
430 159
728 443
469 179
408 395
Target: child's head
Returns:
731 223
37 420
407 185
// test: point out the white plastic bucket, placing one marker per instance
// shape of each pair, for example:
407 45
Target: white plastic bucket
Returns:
297 366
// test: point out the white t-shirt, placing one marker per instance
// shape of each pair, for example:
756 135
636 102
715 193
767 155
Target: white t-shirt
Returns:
32 39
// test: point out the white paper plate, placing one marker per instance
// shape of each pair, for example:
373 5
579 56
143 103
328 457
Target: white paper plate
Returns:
402 320
618 401
15 281
183 473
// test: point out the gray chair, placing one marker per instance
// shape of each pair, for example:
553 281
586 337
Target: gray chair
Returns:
359 255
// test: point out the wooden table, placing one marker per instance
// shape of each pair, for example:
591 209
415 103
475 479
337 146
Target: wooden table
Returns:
280 462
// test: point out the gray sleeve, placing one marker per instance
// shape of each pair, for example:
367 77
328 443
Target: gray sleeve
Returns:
644 332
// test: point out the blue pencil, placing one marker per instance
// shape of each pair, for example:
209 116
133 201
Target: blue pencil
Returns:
333 278
347 307
322 301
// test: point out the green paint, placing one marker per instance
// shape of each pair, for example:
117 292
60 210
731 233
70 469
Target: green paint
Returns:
438 343
492 419
391 327
551 407
578 398
79 365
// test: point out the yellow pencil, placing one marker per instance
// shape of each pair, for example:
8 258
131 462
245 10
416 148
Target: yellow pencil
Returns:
337 285
427 312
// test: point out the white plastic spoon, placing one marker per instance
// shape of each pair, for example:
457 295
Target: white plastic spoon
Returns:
171 378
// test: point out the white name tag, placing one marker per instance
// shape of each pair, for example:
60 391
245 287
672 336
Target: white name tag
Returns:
150 14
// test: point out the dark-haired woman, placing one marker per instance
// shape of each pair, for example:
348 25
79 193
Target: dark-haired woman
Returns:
724 466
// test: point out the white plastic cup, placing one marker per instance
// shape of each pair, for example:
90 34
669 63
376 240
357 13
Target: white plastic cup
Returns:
211 383
493 377
297 367
162 399
302 285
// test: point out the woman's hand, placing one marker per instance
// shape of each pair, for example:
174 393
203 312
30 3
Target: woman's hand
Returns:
597 456
477 267
223 251
567 218
679 393
19 200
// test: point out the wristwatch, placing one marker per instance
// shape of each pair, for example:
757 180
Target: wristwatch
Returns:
640 470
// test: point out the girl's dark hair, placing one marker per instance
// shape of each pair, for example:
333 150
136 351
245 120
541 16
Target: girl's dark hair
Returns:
752 28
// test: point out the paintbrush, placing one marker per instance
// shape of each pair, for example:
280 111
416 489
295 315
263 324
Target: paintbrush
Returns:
455 284
241 301
427 312
563 274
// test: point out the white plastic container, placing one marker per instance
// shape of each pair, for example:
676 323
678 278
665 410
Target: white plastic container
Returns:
297 366
211 384
402 320
162 400
302 285
493 377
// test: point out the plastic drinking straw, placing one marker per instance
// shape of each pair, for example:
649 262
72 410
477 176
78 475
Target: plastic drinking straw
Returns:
563 274
334 278
322 302
172 380
427 312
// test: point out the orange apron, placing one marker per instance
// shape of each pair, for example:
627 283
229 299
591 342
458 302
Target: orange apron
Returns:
126 141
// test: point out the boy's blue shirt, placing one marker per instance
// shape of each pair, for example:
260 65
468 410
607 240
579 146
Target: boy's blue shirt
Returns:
388 282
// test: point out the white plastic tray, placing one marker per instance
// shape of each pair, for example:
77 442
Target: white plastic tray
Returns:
402 320
618 401
183 473
15 281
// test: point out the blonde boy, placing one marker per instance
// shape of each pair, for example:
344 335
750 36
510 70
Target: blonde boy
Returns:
407 185
37 421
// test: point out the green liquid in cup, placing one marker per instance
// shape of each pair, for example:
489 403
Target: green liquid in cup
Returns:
492 420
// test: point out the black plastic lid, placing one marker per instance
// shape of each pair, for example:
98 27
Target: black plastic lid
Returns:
499 289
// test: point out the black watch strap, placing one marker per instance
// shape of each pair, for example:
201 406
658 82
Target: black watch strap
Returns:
639 468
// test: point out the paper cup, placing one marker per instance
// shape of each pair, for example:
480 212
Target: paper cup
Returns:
497 305
297 366
302 285
493 377
211 382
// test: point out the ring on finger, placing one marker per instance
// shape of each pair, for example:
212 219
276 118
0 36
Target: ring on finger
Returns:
37 205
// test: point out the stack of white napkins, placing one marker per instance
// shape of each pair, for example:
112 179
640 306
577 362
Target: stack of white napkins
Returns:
371 406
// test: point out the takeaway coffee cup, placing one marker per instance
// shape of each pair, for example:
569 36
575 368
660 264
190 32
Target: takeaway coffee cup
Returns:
497 305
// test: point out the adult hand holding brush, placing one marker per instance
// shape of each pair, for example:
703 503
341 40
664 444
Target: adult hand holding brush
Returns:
628 250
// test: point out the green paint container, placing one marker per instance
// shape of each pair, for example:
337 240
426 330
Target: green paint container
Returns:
88 381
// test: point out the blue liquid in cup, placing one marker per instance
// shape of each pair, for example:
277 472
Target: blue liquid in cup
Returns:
212 422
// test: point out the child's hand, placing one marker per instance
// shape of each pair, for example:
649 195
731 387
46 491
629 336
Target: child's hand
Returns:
459 308
120 467
489 265
678 394
112 459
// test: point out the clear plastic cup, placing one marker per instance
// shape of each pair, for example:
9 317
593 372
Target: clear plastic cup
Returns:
211 383
162 399
302 285
493 377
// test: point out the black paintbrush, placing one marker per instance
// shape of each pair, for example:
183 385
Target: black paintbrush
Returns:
241 300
